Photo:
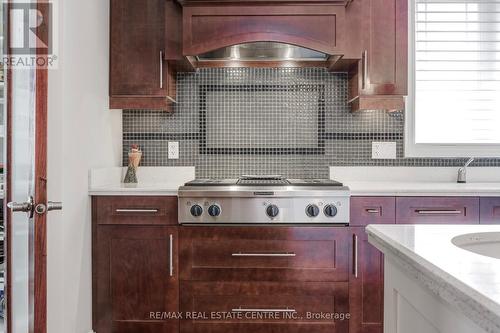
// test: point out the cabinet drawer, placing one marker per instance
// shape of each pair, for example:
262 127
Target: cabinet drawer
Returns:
373 210
250 301
264 254
490 210
437 210
135 210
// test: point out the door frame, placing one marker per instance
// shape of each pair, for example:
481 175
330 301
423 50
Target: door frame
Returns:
39 220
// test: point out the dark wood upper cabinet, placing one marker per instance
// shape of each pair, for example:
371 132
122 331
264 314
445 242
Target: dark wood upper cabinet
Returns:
380 79
386 46
153 39
318 27
141 42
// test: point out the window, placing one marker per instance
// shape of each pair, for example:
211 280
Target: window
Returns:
454 101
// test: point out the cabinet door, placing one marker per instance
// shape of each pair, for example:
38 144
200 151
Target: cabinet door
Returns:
366 285
137 46
490 210
134 278
385 62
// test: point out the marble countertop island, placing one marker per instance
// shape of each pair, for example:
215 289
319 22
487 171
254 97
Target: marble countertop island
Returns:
468 282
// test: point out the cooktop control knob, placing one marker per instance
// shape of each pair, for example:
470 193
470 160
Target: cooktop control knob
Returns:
272 211
330 210
312 210
196 210
214 210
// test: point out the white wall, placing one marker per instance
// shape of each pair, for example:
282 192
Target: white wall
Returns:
83 133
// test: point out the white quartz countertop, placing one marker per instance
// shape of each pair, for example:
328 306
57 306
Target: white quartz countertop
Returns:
142 188
418 181
363 181
422 188
469 282
151 181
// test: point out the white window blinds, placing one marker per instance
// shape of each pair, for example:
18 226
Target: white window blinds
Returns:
457 71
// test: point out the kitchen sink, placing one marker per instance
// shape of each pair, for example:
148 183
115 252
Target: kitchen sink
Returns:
483 243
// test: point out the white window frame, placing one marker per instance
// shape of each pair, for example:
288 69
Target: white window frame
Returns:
411 148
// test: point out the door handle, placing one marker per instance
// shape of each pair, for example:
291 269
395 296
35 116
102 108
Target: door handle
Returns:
41 209
27 207
20 206
54 205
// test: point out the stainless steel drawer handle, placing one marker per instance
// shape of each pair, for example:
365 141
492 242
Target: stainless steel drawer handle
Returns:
355 256
262 310
286 254
372 211
438 212
161 69
364 81
171 256
136 210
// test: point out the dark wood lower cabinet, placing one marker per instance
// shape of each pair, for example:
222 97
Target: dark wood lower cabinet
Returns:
266 253
264 307
366 285
490 210
134 276
251 272
437 210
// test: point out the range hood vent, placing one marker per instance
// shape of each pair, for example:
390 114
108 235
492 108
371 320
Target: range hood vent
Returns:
263 51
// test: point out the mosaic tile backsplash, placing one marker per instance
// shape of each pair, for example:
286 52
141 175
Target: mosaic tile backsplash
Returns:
293 122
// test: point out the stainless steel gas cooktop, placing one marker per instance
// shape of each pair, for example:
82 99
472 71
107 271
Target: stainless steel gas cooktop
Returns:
263 199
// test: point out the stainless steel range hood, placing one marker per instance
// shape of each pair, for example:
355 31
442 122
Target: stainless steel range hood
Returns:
263 51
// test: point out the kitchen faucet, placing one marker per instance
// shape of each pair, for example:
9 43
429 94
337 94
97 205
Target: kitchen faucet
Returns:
462 172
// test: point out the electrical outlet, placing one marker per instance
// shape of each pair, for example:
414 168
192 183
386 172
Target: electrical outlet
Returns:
384 150
173 150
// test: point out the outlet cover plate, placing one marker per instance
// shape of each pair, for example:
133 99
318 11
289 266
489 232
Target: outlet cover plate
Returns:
384 150
173 150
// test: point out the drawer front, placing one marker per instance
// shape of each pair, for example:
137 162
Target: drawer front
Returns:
264 254
264 306
141 210
372 210
490 210
437 210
